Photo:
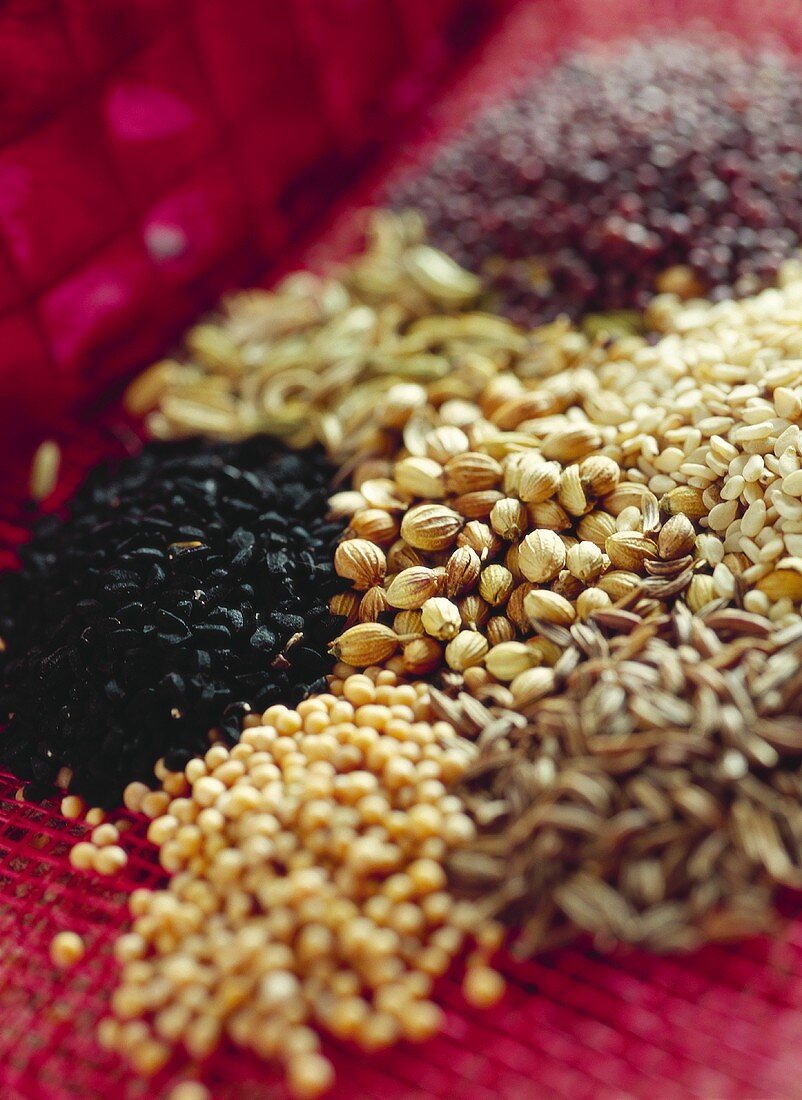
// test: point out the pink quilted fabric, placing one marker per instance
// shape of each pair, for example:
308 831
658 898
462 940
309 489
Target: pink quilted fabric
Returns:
156 152
153 152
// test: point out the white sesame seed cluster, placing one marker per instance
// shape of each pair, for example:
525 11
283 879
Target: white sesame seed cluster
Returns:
729 423
715 405
702 427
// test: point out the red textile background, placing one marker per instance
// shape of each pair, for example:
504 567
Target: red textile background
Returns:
146 224
154 152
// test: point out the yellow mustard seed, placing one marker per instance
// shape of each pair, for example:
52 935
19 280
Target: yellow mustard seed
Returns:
72 806
307 880
105 834
133 795
66 949
109 860
483 987
82 855
189 1090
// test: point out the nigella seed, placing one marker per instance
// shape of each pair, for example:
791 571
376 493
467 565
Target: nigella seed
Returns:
231 618
156 576
237 710
147 553
177 759
242 558
262 638
316 686
288 624
156 612
213 634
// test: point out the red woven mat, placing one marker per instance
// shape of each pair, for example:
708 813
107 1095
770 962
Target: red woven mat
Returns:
725 1022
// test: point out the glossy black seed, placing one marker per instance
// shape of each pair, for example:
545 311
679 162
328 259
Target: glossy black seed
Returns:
177 759
189 585
580 190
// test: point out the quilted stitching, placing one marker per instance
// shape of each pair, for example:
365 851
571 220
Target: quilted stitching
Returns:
154 151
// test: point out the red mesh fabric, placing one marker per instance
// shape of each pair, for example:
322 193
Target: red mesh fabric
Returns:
724 1023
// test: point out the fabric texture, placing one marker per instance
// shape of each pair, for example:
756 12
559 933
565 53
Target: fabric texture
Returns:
155 152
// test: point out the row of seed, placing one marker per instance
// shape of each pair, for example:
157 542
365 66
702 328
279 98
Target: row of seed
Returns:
665 469
459 591
308 887
706 419
713 407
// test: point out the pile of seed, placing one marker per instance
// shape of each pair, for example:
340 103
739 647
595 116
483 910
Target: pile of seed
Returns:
314 358
728 425
626 470
307 889
653 797
458 591
665 165
187 584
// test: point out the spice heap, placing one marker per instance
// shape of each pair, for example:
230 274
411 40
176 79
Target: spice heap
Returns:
312 359
664 165
187 585
655 797
592 541
308 888
635 472
740 447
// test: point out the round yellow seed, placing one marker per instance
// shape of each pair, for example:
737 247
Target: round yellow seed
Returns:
189 1090
483 987
109 860
66 949
82 855
72 806
310 1075
308 885
105 834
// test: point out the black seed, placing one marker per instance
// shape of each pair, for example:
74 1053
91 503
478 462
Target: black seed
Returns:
155 612
263 639
288 624
177 759
213 634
